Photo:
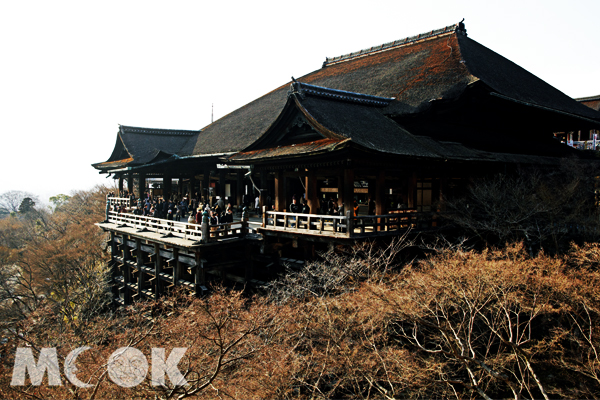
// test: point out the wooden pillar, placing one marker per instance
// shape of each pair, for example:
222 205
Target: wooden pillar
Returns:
239 187
130 183
126 270
167 187
141 185
140 264
191 185
379 196
200 275
206 181
312 198
248 265
120 186
348 190
222 179
263 189
379 193
279 191
412 191
340 192
158 285
180 188
176 267
114 267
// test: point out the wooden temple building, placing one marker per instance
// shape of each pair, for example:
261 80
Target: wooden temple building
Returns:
405 124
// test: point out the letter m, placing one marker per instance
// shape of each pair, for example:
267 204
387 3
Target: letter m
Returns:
24 361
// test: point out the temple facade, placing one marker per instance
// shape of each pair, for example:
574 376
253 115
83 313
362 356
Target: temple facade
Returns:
383 133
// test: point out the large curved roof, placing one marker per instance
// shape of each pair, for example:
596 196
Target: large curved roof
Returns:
432 66
437 65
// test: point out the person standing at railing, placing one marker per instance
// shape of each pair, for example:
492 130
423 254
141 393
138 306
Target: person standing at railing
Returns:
228 217
199 215
304 208
295 207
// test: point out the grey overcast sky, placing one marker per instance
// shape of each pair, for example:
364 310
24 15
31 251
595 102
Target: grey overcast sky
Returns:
72 71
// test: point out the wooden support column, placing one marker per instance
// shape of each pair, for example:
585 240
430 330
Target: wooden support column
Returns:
239 188
129 183
412 191
379 196
200 275
206 188
167 187
222 179
158 285
191 185
249 265
180 188
312 198
127 278
340 192
379 193
348 190
141 185
263 189
114 268
176 267
120 186
279 191
140 264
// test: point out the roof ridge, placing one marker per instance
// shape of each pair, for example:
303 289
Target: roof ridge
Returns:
589 98
337 94
458 27
156 131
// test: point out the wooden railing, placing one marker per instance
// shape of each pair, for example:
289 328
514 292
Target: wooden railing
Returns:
183 230
347 226
120 201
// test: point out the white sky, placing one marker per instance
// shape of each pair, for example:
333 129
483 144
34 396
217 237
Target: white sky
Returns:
71 71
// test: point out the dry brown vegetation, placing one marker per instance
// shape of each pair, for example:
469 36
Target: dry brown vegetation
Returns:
362 324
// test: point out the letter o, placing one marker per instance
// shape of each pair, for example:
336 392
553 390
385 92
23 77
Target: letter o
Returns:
127 367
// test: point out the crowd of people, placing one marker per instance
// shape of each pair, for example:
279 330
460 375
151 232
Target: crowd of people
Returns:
186 209
190 208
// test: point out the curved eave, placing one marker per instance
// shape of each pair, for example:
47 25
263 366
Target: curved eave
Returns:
309 149
575 116
109 165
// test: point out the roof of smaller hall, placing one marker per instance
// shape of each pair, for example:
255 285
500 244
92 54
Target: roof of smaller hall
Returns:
138 146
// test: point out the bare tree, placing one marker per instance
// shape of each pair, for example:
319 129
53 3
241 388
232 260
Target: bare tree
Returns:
544 210
11 200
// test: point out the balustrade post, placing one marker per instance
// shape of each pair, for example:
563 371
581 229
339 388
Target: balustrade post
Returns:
107 208
204 227
350 222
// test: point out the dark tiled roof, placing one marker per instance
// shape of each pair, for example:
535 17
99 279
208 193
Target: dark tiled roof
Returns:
364 124
137 146
386 46
510 80
438 65
314 147
341 95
